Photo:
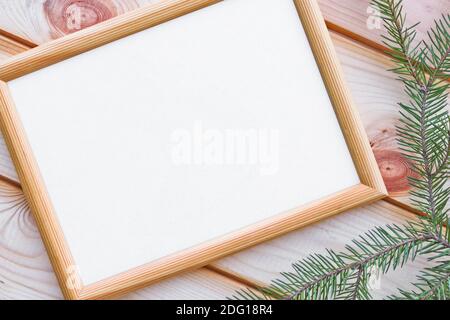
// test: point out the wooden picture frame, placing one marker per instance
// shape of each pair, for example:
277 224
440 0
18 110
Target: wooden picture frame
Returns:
370 188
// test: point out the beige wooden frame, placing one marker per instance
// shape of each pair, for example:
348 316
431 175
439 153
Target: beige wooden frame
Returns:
370 189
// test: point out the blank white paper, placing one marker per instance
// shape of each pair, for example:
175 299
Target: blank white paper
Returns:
183 133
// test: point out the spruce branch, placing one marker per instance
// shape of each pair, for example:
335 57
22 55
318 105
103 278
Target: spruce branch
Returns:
433 284
424 131
345 275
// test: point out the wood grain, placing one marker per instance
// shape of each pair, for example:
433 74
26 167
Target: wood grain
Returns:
26 273
374 90
44 20
67 16
97 35
341 99
357 20
376 93
10 47
363 68
379 120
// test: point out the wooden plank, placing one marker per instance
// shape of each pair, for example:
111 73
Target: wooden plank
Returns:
26 273
263 263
